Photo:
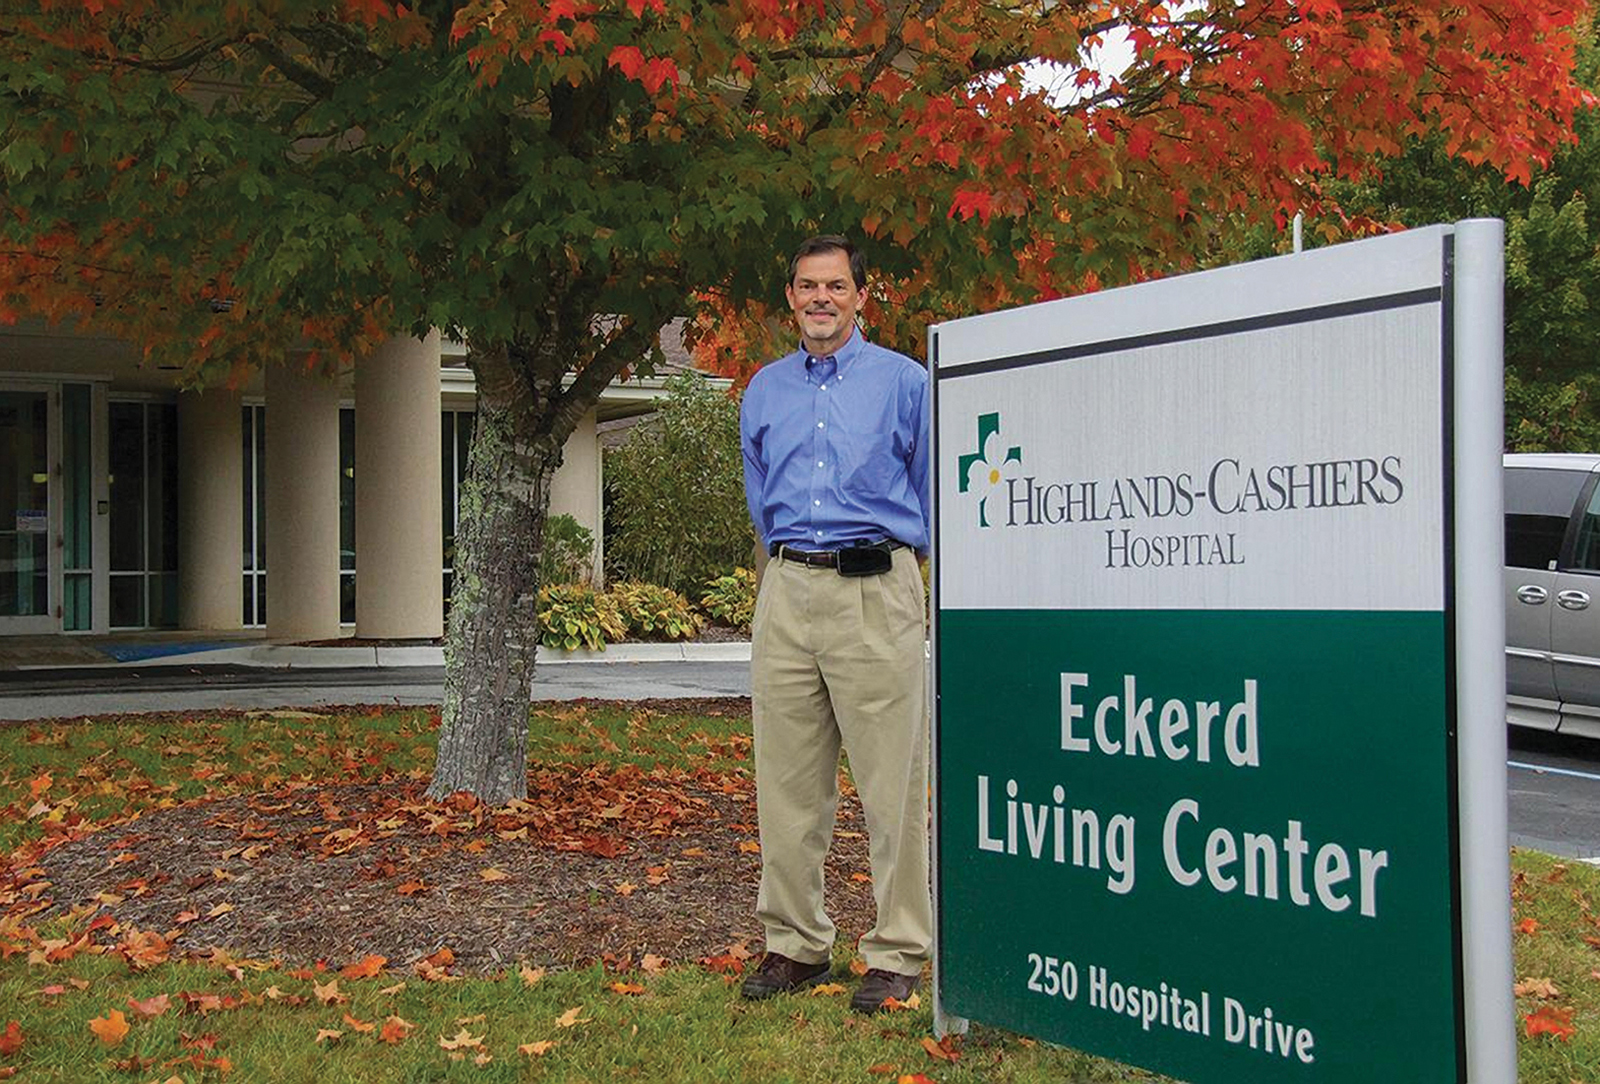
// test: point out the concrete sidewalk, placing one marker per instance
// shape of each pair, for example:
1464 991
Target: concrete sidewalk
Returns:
156 650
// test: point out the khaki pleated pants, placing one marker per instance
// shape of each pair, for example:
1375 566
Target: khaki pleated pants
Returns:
838 659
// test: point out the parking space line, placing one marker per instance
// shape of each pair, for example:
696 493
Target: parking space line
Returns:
1552 771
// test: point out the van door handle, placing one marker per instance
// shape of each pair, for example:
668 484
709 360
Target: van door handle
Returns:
1533 596
1573 600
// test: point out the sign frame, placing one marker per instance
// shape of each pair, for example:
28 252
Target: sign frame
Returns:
1470 439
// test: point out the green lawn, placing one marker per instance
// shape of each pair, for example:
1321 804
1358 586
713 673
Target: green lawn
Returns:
248 1022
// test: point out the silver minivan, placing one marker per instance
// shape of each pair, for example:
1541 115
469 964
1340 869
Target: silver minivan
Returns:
1553 592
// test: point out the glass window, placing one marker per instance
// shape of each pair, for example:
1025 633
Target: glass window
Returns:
1586 555
127 487
1539 504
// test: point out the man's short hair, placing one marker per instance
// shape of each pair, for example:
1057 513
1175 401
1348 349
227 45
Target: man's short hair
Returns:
831 242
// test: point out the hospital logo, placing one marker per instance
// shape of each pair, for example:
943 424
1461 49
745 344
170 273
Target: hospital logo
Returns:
983 470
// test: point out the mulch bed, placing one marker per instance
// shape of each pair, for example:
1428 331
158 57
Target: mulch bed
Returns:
600 865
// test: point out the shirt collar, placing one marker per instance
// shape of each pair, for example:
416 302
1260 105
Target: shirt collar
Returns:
843 356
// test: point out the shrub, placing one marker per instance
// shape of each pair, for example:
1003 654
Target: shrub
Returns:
575 615
655 612
568 553
676 514
731 599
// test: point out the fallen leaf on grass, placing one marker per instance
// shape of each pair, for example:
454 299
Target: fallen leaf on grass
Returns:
394 1029
632 988
150 1007
359 1025
329 1035
694 852
858 967
364 968
11 1039
463 1021
412 888
463 1040
726 964
626 888
571 1018
329 993
219 910
943 1050
1549 1020
915 1078
537 1049
827 989
883 1068
653 964
910 1004
864 878
530 975
390 991
749 846
1529 926
493 874
186 917
1539 988
657 874
110 1029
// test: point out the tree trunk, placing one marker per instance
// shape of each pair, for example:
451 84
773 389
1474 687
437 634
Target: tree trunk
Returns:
494 628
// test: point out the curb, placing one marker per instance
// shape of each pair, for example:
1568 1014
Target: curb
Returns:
291 657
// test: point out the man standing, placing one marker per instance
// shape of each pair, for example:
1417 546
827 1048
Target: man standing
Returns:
835 441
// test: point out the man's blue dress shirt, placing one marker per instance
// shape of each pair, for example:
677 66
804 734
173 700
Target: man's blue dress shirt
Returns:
836 448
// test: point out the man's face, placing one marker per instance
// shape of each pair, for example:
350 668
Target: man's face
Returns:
824 298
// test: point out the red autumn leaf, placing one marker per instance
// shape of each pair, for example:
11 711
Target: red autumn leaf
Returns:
658 71
1549 1020
726 964
11 1039
1529 926
631 988
943 1050
365 968
395 1029
969 202
627 59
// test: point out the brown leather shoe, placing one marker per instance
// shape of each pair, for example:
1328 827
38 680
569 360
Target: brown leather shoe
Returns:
879 986
777 974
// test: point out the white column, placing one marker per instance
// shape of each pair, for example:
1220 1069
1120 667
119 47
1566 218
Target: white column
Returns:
575 489
210 510
399 521
302 483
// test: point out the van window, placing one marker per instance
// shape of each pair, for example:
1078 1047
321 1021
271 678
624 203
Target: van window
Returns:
1586 555
1539 504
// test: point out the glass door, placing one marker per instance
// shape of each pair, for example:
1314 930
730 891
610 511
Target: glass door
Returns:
27 557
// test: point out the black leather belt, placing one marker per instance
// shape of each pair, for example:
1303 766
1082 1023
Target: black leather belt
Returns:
818 558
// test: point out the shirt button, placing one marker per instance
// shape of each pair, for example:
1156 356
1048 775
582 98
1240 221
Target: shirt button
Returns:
817 503
824 387
819 462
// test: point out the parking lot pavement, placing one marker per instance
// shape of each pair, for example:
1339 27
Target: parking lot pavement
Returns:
1553 784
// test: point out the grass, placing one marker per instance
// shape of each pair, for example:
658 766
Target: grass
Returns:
684 1023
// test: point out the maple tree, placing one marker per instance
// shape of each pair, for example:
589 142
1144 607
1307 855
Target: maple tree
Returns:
553 180
1552 326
